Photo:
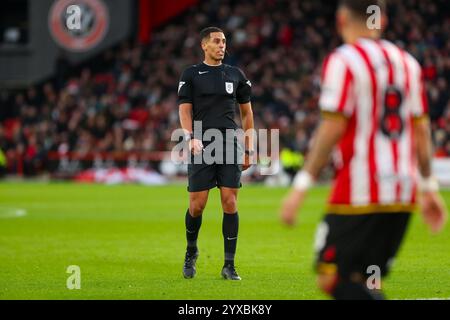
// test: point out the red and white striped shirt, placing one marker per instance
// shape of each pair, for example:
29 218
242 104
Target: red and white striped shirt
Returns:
379 88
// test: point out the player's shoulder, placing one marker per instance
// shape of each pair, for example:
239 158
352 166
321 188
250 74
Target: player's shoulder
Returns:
409 59
345 51
337 55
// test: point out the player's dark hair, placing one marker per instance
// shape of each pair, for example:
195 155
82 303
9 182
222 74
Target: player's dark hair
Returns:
205 33
359 7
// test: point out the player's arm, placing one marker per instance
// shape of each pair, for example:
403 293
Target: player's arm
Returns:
337 105
247 124
328 134
431 204
423 145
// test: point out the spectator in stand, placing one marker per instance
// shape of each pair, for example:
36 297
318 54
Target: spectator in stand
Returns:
126 100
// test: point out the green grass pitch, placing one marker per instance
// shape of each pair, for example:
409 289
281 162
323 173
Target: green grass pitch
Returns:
129 243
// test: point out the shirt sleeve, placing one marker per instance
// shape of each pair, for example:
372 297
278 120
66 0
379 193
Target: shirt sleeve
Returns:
185 88
418 98
244 89
336 95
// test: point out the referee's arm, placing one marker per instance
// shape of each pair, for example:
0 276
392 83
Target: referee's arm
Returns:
185 100
243 97
185 113
247 123
185 110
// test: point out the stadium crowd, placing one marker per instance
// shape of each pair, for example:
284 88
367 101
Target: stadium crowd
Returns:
126 100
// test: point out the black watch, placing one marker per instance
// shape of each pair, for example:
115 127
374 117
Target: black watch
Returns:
249 152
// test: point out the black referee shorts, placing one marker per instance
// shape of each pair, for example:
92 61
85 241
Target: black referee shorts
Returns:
348 244
203 176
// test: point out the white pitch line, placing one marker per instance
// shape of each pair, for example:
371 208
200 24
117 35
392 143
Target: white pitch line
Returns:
433 298
12 213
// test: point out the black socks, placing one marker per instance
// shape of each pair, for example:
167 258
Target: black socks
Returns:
230 226
192 229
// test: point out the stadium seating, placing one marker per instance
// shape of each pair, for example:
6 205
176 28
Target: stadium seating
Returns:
128 102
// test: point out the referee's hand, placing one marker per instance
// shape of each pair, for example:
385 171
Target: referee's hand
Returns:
196 146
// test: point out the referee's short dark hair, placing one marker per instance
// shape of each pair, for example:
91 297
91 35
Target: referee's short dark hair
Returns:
205 33
359 7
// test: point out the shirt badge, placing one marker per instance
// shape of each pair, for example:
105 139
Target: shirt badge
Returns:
229 87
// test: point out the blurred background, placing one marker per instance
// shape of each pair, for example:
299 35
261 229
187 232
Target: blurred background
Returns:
94 100
99 103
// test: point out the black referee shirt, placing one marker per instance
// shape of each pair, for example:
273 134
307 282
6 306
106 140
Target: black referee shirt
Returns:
213 92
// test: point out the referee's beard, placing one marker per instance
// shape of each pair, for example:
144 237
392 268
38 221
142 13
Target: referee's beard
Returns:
214 58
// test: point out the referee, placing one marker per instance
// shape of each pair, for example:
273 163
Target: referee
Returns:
208 93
